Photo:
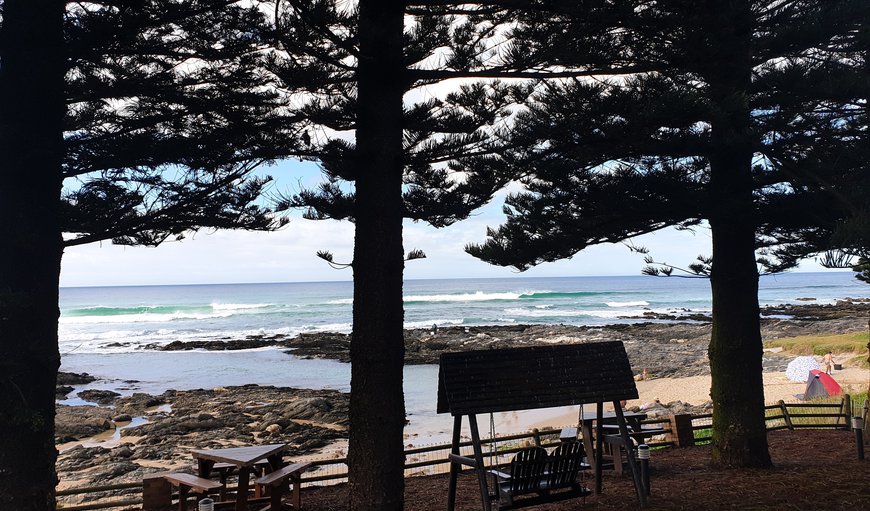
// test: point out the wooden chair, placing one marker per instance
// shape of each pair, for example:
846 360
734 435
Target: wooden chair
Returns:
564 467
527 472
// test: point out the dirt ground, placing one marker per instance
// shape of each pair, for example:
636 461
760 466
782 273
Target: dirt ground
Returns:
813 470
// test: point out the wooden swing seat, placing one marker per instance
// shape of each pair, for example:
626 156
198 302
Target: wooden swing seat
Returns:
550 478
501 380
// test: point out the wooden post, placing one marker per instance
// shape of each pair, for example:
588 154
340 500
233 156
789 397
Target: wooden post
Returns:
599 445
865 416
785 414
630 454
156 493
478 457
681 430
536 436
454 466
846 410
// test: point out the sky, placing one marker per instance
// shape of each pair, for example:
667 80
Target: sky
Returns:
289 255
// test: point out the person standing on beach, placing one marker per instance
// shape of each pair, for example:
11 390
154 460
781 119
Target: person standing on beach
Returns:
828 362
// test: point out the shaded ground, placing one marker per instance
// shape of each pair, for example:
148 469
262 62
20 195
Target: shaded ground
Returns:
814 470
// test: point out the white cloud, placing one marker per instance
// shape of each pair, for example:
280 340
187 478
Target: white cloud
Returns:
289 254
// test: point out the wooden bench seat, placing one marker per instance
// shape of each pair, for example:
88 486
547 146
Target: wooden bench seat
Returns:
551 477
188 483
277 483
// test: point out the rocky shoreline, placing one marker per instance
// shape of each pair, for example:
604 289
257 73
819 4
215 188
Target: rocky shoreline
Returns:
665 347
155 432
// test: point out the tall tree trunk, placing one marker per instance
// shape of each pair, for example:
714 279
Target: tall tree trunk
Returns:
31 148
377 409
739 433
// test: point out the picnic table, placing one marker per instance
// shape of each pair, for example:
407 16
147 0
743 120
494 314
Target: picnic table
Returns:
244 458
609 429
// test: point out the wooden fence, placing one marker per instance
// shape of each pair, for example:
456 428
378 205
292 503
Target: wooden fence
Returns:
681 430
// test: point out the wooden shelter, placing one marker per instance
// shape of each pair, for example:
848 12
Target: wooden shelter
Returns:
500 380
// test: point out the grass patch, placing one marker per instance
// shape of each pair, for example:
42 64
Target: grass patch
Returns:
703 436
858 400
859 361
820 344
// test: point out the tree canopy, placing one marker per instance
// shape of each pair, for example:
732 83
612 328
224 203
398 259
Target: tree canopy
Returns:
749 117
169 109
606 160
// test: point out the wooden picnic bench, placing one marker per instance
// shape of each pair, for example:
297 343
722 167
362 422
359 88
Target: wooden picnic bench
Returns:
617 447
188 483
225 470
277 483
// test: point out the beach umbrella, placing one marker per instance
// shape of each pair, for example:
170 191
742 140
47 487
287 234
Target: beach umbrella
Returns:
799 368
828 382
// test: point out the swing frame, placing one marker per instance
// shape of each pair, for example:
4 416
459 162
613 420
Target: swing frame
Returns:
513 379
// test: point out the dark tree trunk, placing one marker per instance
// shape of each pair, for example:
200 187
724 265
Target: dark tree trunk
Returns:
739 434
377 408
31 146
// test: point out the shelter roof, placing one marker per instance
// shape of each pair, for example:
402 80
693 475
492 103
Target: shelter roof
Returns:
534 377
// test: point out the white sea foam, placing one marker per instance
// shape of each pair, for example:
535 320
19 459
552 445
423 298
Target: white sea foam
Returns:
141 318
572 313
478 296
638 303
428 324
342 328
239 306
544 313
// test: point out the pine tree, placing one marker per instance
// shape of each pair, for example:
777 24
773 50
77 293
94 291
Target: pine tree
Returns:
150 114
400 165
740 117
31 150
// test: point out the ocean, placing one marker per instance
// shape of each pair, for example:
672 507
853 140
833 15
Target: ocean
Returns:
107 331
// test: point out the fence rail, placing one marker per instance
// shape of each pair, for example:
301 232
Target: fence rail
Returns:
428 459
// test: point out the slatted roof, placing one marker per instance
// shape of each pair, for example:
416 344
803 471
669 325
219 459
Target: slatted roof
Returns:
534 377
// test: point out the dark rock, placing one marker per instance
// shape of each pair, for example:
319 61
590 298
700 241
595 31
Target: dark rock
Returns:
139 403
81 421
103 397
79 457
221 345
64 378
122 418
61 391
114 470
123 451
